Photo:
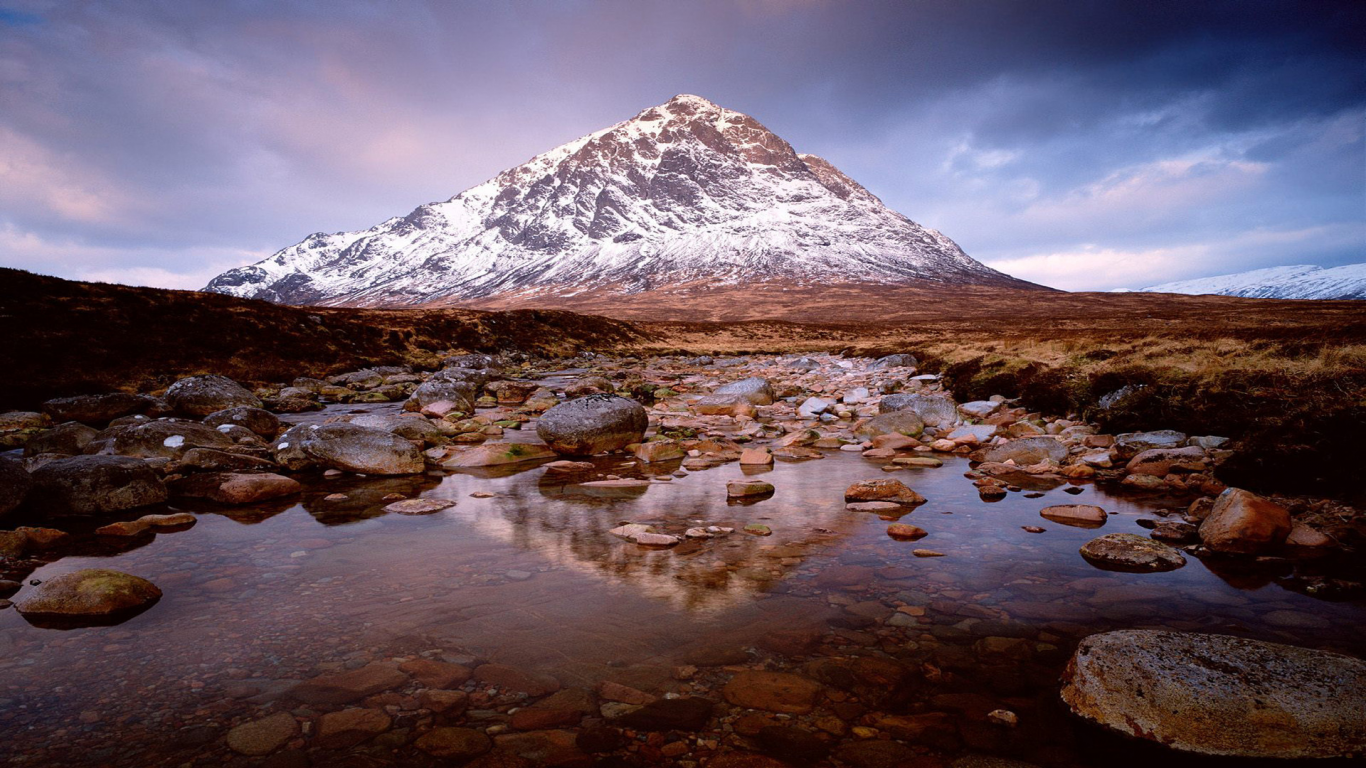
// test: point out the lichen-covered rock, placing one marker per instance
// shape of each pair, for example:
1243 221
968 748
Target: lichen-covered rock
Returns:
1131 552
90 593
460 392
97 410
904 422
91 485
1245 523
593 424
258 420
756 390
70 439
933 411
1025 451
199 396
413 426
349 448
1220 695
1130 444
167 438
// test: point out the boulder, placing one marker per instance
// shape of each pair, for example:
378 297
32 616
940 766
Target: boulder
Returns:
258 420
980 409
14 484
904 422
756 390
512 392
349 448
70 439
724 405
1220 695
167 438
461 392
1161 462
894 361
1131 552
199 396
593 424
96 410
92 593
971 434
413 426
934 411
90 485
1243 522
1025 451
888 490
1130 444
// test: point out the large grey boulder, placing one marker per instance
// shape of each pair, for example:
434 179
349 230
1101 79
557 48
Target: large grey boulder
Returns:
934 411
593 424
895 361
199 396
92 485
14 484
258 420
70 438
167 438
1130 444
1026 450
413 426
461 392
756 390
905 422
350 448
1220 695
97 410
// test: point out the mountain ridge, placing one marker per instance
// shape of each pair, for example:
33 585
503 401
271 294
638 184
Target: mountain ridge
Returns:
685 191
1300 281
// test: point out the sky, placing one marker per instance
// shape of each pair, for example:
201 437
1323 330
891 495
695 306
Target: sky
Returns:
1083 145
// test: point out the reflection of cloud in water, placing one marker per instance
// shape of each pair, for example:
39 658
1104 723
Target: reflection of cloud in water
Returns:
568 525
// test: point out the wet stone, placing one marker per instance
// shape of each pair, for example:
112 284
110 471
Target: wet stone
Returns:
263 736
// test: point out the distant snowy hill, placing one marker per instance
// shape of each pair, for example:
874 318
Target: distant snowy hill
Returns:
683 193
1298 282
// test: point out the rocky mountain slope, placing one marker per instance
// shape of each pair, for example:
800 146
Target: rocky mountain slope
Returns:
683 193
1295 282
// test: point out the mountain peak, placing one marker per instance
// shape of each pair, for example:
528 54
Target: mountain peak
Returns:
684 192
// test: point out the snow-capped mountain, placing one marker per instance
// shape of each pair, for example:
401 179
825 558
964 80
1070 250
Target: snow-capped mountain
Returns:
686 192
1297 282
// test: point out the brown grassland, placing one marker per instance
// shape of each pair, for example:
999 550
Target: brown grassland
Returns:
1286 379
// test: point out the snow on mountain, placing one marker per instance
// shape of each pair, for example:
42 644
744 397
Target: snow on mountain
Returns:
683 192
1297 282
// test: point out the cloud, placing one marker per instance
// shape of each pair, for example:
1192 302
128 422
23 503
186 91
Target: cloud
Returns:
1092 267
146 141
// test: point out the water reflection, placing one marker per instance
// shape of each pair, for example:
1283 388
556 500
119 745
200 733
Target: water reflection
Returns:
529 575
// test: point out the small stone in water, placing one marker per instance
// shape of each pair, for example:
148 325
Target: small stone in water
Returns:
1033 528
758 530
926 553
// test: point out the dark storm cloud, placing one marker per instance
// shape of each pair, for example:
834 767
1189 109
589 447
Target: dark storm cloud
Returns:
1088 145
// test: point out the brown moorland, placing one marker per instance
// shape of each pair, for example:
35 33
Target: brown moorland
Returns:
1286 379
